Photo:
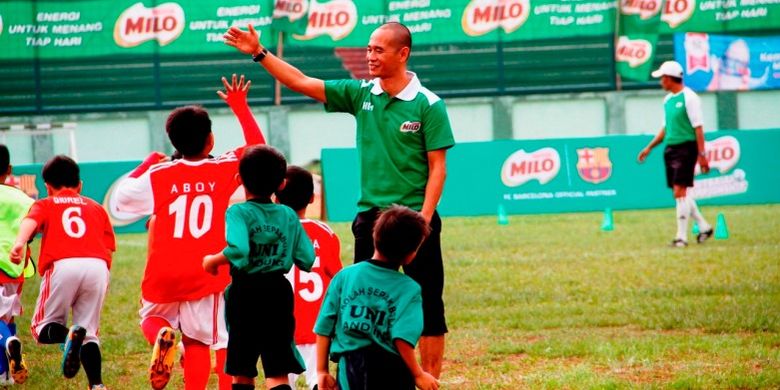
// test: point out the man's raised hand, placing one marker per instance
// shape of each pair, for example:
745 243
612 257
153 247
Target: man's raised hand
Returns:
247 42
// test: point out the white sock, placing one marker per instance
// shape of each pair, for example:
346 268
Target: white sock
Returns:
696 214
683 213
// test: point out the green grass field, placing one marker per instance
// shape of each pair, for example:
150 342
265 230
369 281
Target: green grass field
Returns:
548 301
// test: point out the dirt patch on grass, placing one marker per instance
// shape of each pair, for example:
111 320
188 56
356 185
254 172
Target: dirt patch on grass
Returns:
640 374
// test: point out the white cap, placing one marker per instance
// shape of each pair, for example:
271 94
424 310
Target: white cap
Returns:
669 68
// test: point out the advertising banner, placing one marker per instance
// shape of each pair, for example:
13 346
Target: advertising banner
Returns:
290 16
728 63
90 28
634 56
574 175
642 20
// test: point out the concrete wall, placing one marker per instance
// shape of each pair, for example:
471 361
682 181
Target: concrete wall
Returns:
554 118
758 110
301 131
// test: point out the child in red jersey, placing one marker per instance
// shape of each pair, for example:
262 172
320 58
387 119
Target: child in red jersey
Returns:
75 259
309 287
187 198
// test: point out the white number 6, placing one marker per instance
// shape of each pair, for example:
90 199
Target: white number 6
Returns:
71 217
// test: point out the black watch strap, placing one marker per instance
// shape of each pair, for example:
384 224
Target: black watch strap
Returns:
260 56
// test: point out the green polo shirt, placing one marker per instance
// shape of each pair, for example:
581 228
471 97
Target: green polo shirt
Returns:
394 136
14 205
682 114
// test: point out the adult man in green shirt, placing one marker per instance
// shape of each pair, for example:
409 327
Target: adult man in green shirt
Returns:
403 133
684 136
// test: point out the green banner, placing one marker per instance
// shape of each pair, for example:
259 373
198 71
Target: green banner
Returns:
93 28
291 16
576 174
99 182
634 56
350 23
719 16
638 34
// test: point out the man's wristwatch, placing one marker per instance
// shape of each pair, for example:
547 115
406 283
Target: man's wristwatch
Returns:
260 56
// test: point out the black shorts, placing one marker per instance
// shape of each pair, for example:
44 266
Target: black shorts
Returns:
680 161
373 368
427 269
260 322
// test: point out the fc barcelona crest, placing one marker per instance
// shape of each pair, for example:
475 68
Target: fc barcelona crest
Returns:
593 164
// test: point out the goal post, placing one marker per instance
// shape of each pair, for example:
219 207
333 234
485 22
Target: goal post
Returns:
36 143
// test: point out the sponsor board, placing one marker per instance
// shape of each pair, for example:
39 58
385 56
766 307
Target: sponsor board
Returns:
336 19
483 16
139 24
520 167
636 52
575 174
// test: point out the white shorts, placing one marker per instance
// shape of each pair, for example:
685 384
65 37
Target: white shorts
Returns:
202 319
77 284
10 301
309 354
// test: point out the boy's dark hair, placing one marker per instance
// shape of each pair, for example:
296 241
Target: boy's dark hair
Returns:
297 193
188 129
398 232
5 159
61 171
262 169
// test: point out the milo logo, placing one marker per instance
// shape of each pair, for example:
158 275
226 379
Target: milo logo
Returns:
483 16
291 9
646 9
634 51
677 12
722 153
139 24
410 127
520 167
336 19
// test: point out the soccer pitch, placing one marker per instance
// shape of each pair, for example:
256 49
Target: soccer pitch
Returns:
548 301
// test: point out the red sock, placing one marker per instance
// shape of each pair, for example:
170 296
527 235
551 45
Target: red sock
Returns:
197 365
225 380
151 327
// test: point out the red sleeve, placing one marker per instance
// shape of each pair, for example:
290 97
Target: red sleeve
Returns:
333 264
108 233
151 159
252 133
38 212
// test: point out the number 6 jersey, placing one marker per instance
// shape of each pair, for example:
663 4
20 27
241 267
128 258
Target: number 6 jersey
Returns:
72 226
187 200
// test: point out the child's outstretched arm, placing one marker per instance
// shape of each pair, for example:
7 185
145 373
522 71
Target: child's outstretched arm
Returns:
325 381
26 230
211 263
422 379
235 97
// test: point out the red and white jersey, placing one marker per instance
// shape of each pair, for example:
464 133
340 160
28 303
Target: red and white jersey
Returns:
188 201
309 287
72 226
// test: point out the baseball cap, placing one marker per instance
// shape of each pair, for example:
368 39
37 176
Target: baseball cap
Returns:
669 68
